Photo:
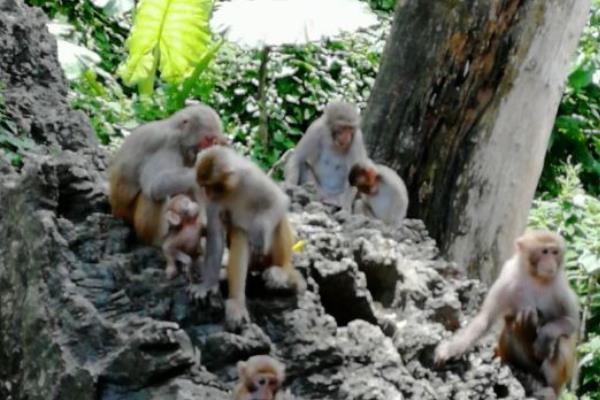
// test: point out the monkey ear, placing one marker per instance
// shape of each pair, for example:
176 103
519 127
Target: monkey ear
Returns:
520 244
242 370
173 218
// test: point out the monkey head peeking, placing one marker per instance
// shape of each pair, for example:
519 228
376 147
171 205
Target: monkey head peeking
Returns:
539 310
382 193
260 378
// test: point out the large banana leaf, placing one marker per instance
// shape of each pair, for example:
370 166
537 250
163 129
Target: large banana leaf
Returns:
172 35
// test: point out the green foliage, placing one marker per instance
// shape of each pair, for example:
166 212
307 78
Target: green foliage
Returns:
576 131
301 80
99 33
382 5
172 36
576 215
104 103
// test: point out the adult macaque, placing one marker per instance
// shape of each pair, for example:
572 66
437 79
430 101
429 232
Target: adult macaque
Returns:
540 312
382 193
259 232
260 378
327 151
155 161
183 225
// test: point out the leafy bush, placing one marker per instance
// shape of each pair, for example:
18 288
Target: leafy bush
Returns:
576 131
301 80
576 215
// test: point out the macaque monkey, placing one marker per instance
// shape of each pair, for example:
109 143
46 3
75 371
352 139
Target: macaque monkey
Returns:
382 193
255 214
155 161
259 378
540 312
327 151
183 225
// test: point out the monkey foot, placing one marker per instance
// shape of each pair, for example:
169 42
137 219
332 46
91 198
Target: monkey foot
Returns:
236 315
443 353
277 278
171 272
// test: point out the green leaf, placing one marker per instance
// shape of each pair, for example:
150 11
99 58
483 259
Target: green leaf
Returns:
582 76
172 35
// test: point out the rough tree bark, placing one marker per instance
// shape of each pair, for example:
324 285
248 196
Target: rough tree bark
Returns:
463 107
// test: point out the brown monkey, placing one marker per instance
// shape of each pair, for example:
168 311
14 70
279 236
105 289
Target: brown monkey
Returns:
327 151
155 161
257 224
382 192
540 312
183 225
260 378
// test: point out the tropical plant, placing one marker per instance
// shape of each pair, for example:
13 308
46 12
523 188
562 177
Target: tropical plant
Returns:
576 130
172 37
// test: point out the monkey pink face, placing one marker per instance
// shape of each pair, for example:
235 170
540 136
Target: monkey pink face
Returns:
545 261
263 386
342 136
210 139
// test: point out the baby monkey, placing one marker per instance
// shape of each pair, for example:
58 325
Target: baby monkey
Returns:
260 378
540 313
382 193
183 226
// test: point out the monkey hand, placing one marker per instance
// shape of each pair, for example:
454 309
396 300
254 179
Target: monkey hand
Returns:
236 315
542 347
447 350
205 294
527 318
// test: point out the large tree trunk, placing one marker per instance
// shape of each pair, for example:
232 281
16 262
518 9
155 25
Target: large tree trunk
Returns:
463 107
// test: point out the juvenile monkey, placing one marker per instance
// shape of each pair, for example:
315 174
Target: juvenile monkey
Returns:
183 225
327 151
257 225
540 312
155 161
260 378
382 192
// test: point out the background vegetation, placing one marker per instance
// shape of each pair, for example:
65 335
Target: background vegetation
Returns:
303 79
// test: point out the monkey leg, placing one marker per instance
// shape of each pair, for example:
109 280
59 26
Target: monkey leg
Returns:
236 313
147 219
559 367
121 197
282 274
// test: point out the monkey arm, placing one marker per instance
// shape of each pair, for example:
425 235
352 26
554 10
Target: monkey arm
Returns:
215 245
296 168
164 175
494 304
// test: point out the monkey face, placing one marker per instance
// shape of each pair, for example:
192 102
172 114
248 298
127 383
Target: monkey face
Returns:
365 179
342 136
263 386
545 262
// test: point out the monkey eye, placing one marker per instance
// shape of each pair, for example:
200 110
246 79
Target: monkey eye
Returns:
545 251
262 381
555 252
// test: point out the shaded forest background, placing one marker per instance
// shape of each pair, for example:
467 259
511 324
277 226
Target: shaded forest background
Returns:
302 79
